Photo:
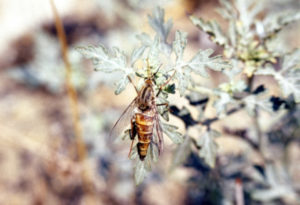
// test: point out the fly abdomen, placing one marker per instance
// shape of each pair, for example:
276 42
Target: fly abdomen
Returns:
144 126
142 150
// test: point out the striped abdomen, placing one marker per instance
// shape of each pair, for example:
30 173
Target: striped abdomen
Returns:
144 127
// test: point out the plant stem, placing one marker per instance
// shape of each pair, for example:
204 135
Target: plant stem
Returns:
72 95
255 119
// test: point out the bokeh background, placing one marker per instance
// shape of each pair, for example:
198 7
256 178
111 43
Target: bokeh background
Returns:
38 160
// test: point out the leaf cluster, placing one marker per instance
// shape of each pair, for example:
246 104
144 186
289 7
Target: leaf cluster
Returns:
156 53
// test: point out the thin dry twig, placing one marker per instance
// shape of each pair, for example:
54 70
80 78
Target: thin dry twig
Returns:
72 95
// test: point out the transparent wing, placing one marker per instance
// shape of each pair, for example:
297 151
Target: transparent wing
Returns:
123 121
159 133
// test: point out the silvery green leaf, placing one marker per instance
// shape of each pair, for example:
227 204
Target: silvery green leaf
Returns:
274 23
212 28
179 43
137 54
198 65
140 172
255 101
145 39
109 61
279 184
233 86
121 85
209 147
221 103
170 130
235 70
248 10
232 33
239 86
184 79
157 22
94 53
184 111
202 60
153 55
277 46
181 153
195 97
288 77
227 10
291 60
103 60
289 83
267 195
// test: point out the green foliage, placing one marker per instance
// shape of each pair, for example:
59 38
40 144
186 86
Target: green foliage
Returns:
208 149
111 61
156 52
246 45
288 77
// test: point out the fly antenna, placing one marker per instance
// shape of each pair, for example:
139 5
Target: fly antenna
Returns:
157 70
148 70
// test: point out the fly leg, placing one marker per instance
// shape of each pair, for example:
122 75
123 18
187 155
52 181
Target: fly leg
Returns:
163 85
164 104
132 134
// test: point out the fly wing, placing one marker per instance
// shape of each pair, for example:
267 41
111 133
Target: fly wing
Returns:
123 121
159 133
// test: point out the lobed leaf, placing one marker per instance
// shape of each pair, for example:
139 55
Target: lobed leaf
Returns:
103 60
274 23
279 186
291 60
181 153
145 39
222 102
290 83
157 22
227 10
170 130
137 54
212 28
121 85
183 79
179 44
208 146
109 62
202 60
288 77
153 54
254 101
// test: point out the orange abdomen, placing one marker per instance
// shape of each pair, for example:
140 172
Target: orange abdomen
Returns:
144 127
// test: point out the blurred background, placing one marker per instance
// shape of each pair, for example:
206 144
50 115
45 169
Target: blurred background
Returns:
38 160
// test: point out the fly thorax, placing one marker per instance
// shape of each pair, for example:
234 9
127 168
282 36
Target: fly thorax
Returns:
146 98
